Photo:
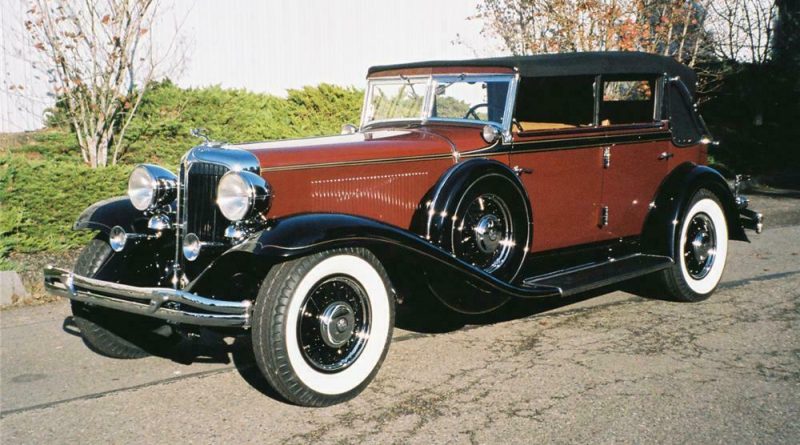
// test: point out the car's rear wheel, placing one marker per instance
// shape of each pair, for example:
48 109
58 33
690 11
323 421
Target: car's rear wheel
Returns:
322 325
111 333
701 250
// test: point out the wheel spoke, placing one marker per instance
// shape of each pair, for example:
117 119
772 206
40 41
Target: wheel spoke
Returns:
336 331
487 235
700 246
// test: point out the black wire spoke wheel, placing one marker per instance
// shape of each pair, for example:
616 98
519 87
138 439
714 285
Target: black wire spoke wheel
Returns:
700 246
485 235
334 323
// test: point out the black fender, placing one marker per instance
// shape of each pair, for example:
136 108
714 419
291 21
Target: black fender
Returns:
106 214
146 263
436 219
660 232
403 253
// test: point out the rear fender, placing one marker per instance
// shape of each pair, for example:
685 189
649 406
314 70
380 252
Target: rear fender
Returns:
661 227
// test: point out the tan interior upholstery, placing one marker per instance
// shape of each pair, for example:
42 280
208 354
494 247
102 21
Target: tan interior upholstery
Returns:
533 126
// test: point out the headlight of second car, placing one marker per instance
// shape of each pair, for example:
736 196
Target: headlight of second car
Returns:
242 195
151 185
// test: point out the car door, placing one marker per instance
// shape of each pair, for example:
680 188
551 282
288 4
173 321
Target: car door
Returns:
556 151
564 186
636 155
630 181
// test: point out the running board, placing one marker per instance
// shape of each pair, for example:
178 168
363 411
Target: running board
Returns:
594 275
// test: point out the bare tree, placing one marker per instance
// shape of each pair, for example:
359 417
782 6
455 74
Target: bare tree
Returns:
666 27
101 59
742 30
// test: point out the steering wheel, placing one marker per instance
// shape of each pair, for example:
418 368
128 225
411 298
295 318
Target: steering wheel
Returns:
473 113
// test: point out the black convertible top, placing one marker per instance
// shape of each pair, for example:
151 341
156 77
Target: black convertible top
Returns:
570 64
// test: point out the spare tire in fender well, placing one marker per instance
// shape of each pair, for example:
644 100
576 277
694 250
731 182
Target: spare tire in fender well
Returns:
434 220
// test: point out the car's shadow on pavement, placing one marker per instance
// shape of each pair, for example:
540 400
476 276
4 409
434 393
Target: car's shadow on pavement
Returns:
206 346
432 317
428 317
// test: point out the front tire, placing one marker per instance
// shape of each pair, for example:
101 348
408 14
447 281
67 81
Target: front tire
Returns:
322 325
110 333
702 248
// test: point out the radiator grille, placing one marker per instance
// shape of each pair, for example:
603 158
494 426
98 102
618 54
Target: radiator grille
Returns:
203 217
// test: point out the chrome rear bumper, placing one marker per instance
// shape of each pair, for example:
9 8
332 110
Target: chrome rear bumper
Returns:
158 302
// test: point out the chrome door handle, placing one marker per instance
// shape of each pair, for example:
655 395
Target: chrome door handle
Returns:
665 155
520 170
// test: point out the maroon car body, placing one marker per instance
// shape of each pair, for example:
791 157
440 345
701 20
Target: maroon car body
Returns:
469 183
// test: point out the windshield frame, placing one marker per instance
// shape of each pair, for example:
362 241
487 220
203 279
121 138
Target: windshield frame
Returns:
431 82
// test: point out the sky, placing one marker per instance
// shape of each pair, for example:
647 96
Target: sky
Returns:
265 46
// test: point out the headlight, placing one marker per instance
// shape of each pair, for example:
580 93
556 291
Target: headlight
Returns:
242 195
151 185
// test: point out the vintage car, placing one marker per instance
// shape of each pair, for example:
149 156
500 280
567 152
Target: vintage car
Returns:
472 182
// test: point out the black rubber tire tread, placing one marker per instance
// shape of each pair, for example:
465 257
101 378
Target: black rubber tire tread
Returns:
671 279
92 321
269 318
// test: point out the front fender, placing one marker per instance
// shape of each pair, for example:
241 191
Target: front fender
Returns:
661 228
117 211
406 256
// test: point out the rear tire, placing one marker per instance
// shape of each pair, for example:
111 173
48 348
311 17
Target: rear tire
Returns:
322 325
701 250
107 332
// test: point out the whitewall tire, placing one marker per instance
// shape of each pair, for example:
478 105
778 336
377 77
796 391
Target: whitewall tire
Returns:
701 250
322 325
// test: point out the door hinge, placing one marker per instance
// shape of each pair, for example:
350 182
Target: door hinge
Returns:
603 216
606 157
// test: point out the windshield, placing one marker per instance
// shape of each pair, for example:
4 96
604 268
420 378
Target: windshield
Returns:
465 98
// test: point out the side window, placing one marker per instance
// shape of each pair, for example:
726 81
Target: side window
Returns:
548 103
627 100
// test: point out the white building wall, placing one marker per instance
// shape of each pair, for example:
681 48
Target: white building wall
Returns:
266 46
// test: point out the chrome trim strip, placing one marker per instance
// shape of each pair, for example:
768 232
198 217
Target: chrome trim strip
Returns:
362 162
151 300
595 141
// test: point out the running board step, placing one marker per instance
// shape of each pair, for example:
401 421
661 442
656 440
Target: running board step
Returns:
591 276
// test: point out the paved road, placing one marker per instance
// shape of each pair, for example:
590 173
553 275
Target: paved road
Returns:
612 368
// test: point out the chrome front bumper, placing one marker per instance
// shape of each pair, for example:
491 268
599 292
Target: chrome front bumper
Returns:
167 304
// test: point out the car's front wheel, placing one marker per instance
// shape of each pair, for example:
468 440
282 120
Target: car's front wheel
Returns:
701 250
322 325
111 333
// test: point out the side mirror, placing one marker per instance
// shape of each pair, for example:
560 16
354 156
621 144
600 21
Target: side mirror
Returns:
349 129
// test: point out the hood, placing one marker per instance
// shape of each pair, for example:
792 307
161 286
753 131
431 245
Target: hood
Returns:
422 142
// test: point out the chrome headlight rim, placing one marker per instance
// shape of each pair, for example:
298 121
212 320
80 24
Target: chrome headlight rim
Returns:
156 186
243 195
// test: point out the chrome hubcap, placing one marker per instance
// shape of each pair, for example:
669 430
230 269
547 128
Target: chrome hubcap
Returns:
336 324
485 236
333 325
700 247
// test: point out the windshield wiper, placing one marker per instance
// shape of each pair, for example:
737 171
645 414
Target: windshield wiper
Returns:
441 88
410 84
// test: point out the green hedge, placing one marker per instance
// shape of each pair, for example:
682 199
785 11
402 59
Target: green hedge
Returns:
44 185
160 131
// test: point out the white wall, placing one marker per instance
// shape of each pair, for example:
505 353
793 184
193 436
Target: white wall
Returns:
268 46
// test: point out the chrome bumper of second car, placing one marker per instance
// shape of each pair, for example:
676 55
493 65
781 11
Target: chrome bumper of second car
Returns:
158 302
